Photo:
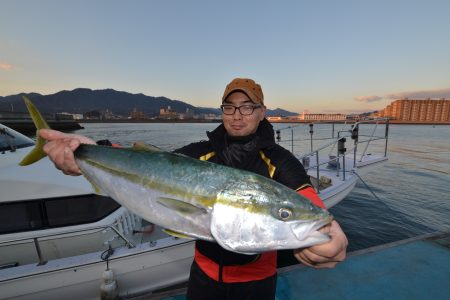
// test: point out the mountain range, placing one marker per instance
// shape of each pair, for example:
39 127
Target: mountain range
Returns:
82 100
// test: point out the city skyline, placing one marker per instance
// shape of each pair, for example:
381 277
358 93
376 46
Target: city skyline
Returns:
340 57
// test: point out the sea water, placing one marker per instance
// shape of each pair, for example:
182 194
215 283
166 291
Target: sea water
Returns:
412 189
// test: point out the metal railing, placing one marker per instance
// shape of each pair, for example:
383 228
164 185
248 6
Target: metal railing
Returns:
61 235
337 145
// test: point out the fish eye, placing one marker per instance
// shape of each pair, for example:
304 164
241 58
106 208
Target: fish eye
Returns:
284 213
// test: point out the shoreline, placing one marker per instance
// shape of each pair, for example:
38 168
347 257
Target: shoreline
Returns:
272 122
27 126
353 121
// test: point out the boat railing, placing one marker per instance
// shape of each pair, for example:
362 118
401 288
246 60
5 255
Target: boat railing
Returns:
370 138
333 161
66 234
336 156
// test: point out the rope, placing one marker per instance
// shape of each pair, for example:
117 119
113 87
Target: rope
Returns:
367 186
106 254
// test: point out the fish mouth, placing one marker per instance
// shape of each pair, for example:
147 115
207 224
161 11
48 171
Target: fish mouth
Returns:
304 230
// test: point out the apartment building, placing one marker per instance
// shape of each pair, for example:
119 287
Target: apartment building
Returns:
418 110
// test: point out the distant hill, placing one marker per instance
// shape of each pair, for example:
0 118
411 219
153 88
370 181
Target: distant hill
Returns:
82 100
280 112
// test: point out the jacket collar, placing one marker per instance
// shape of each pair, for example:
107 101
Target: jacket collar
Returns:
263 138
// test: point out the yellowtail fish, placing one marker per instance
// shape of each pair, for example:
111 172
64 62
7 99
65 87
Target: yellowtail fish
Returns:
242 211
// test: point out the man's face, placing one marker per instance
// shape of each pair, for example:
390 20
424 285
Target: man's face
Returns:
239 125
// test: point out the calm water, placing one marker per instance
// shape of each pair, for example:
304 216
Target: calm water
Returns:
413 187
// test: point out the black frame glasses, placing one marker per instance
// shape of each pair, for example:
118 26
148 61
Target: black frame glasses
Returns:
244 110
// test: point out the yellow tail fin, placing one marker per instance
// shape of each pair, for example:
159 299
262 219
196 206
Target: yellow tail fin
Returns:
37 153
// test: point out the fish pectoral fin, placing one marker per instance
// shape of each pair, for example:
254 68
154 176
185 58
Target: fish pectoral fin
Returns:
180 207
176 234
140 145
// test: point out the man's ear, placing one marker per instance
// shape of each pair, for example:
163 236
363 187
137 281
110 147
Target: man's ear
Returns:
263 112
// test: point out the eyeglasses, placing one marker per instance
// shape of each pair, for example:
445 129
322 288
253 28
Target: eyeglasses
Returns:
245 110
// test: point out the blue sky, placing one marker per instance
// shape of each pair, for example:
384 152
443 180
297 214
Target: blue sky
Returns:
320 56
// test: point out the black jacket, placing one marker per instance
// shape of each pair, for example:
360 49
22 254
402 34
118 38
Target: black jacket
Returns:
256 153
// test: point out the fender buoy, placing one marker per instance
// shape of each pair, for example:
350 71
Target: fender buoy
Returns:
108 288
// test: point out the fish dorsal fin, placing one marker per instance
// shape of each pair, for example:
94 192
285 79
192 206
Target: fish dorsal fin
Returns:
140 145
176 234
180 207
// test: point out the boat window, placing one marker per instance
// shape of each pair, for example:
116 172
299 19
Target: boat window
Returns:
11 139
20 217
76 210
56 212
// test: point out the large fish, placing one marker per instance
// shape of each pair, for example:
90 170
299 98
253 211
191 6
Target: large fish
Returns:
242 211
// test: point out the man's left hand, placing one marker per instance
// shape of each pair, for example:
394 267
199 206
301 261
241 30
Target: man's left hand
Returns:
325 255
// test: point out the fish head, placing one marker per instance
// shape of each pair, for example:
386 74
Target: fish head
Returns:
304 221
249 221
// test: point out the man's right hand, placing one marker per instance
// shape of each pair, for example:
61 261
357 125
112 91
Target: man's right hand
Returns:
60 147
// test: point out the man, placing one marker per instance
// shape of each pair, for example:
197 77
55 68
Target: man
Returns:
244 140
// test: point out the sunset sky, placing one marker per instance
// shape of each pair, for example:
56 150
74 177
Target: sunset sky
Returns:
319 56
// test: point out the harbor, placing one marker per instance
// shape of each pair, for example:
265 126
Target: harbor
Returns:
393 215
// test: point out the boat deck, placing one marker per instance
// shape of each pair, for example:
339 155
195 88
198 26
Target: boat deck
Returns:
417 268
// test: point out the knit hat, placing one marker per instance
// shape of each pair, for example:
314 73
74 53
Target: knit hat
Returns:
248 87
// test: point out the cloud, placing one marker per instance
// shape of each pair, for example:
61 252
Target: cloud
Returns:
424 94
5 66
368 99
433 94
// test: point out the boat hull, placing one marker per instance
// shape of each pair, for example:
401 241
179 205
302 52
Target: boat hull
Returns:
137 270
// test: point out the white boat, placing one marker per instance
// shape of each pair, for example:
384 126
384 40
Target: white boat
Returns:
335 169
54 239
53 235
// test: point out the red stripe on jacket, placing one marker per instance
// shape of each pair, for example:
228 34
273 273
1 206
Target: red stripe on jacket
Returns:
312 196
265 266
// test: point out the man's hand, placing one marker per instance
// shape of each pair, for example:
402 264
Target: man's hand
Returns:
325 255
60 147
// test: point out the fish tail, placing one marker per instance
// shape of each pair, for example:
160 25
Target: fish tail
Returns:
38 152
